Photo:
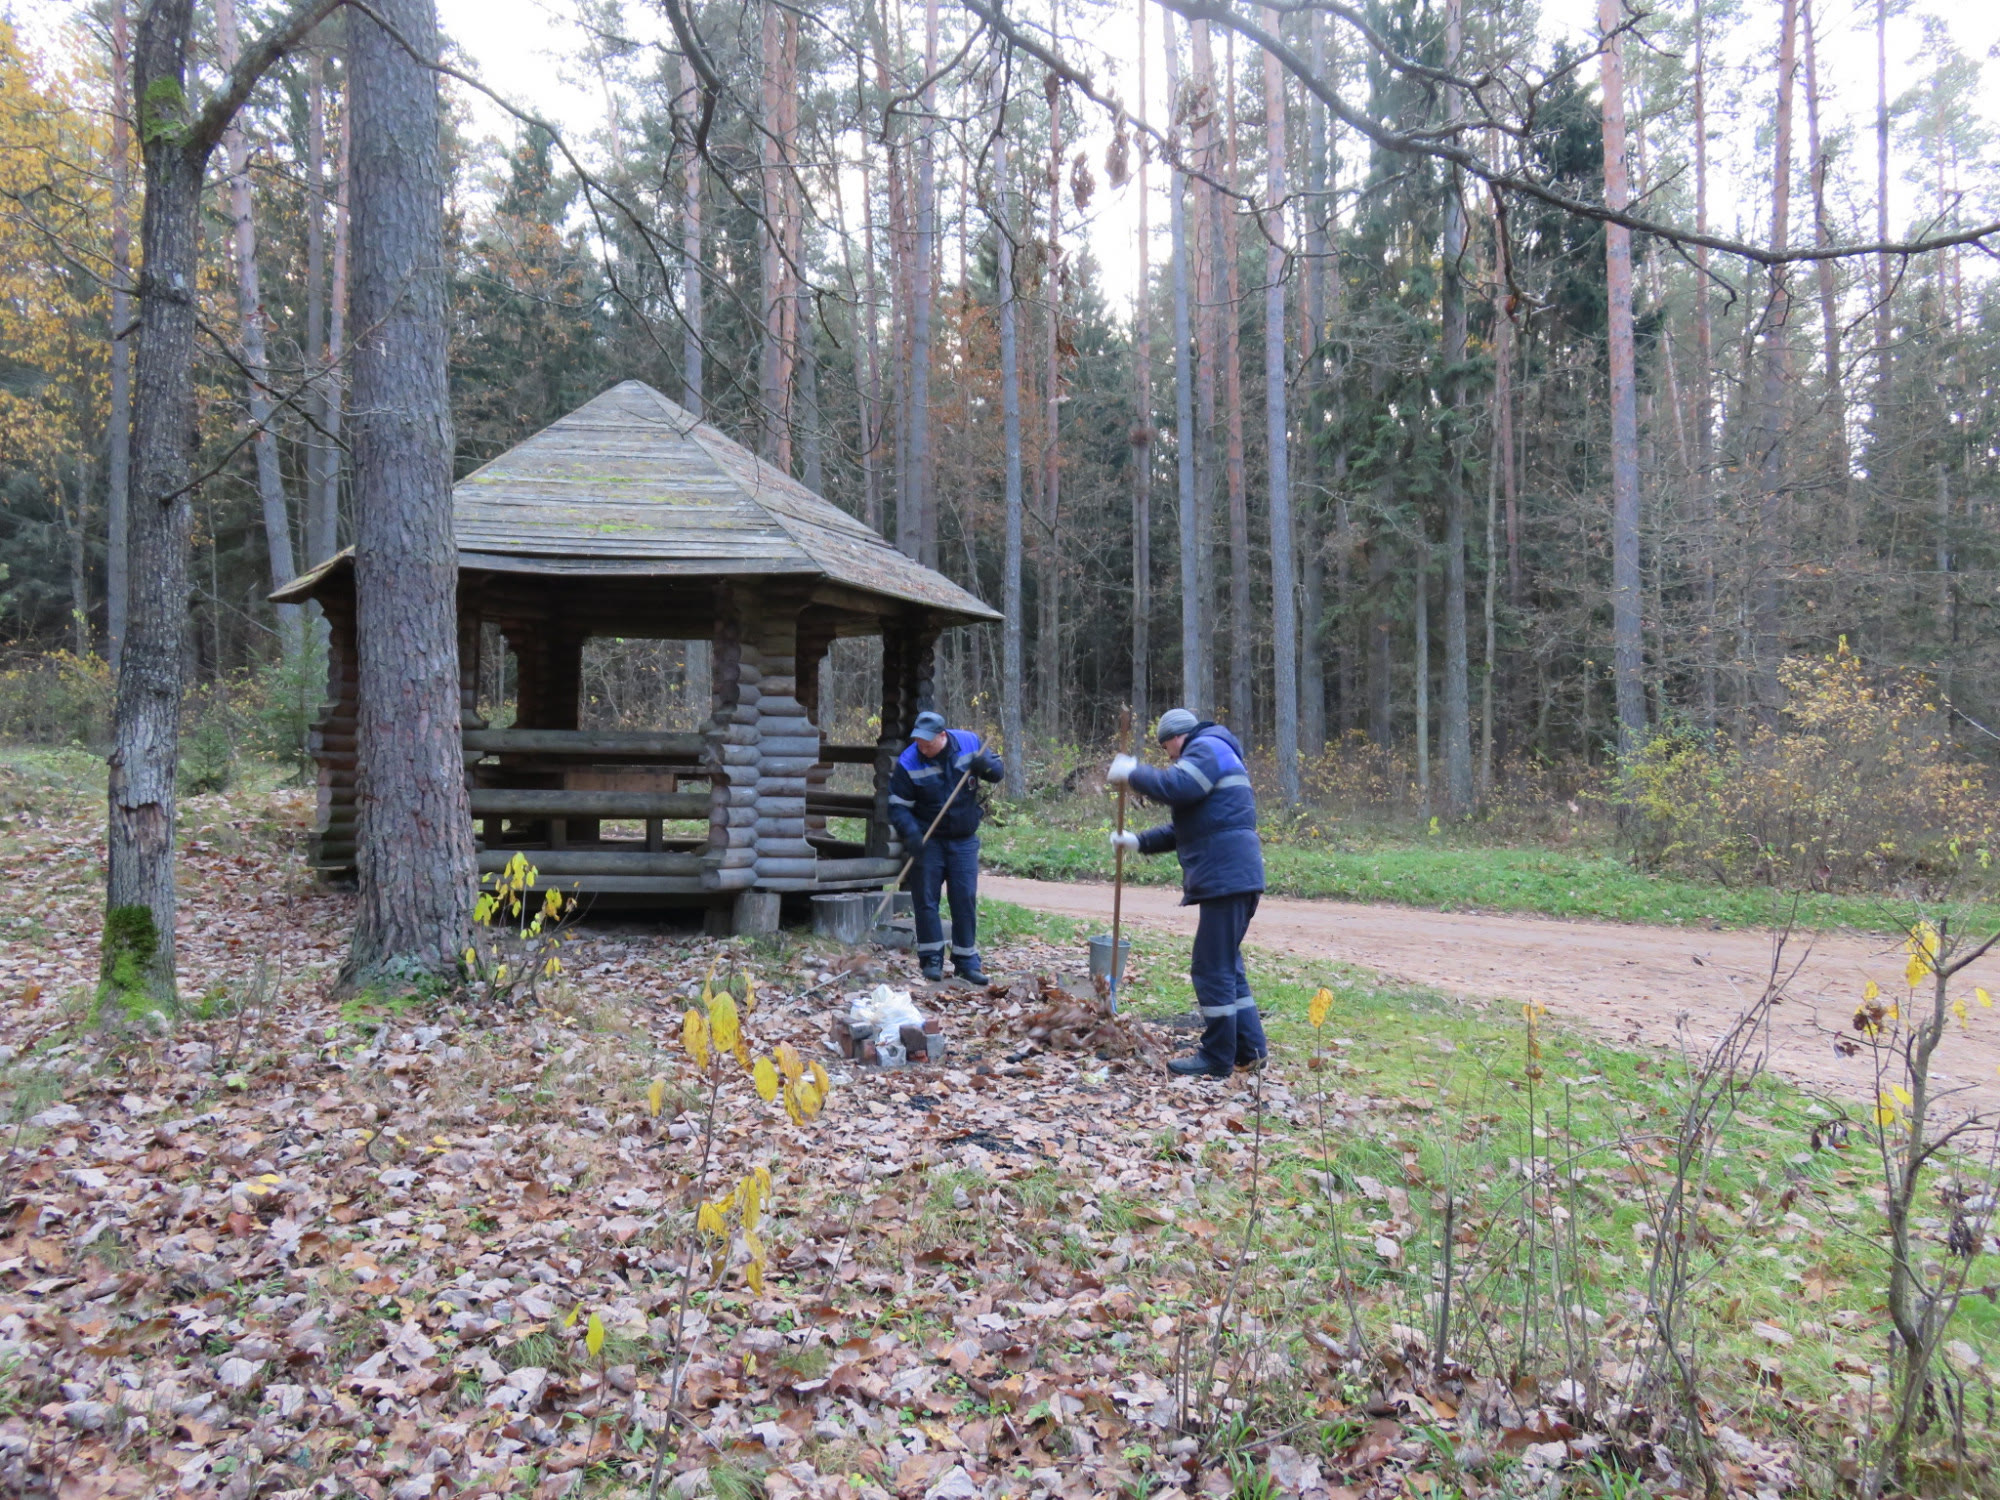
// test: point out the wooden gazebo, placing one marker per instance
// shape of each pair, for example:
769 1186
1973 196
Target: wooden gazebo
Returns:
629 517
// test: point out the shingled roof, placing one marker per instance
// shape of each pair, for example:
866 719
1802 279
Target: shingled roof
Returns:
630 484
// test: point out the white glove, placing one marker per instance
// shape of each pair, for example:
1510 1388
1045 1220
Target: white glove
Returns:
1129 842
1122 767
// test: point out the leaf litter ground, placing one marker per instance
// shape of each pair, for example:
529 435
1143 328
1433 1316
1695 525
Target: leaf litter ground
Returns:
297 1247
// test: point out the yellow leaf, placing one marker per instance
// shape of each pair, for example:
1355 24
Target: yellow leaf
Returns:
749 994
766 1078
743 1052
593 1336
709 1220
808 1097
1873 991
656 1097
1979 994
1958 1009
753 1272
723 1025
754 1245
788 1062
821 1081
694 1037
1915 970
1884 1115
1902 1095
1320 1008
569 1321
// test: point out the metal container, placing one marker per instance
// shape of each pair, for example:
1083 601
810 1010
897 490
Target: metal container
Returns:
1100 959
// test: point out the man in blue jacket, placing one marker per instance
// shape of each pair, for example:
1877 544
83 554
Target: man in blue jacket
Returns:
934 763
1214 830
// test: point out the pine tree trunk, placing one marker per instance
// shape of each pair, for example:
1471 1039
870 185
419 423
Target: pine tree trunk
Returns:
1627 645
1242 634
1829 299
1420 588
773 290
1884 282
869 394
317 454
118 466
1012 687
1704 393
693 385
1208 346
1381 638
1312 662
922 273
1142 431
1773 462
415 855
1457 723
256 363
1048 644
334 388
1284 586
1194 625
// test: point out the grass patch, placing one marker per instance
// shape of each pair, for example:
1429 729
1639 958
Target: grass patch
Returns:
1453 875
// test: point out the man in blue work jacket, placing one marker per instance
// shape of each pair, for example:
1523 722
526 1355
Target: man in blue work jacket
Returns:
1214 830
936 760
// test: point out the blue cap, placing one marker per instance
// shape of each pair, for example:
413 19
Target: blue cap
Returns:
929 725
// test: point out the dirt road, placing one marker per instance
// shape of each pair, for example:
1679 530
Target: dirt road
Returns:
1626 982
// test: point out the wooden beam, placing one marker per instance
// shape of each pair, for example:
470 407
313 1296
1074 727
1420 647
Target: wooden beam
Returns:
514 802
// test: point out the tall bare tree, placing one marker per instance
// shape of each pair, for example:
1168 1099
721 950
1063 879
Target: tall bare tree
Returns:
415 860
1277 441
1773 460
176 140
1627 645
250 340
1186 439
118 467
1012 725
1457 721
1142 427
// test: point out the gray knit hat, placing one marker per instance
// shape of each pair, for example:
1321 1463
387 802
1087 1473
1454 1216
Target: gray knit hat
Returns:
1175 721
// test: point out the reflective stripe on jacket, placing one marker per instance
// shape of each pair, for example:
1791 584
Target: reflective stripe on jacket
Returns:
1214 828
919 786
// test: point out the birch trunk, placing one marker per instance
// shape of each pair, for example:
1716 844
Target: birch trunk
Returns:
1627 645
414 852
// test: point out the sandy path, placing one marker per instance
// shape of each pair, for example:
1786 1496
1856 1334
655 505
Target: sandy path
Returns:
1624 981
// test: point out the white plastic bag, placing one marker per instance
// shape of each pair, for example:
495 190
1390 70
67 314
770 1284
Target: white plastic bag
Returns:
887 1010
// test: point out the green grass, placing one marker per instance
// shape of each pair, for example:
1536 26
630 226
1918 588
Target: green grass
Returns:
1454 876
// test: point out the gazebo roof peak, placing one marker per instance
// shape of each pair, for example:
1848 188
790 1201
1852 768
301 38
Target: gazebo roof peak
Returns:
631 484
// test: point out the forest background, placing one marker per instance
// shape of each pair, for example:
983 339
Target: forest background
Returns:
1400 391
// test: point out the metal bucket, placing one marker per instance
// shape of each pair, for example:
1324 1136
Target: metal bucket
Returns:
1100 958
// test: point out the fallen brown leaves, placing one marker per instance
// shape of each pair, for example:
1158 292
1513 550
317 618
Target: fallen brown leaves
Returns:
306 1250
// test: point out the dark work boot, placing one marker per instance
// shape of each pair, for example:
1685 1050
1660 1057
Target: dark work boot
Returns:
933 971
969 970
1196 1066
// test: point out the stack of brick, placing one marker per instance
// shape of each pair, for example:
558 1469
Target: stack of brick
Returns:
857 1041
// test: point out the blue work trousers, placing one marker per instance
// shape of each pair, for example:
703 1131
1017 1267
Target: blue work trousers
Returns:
1234 1032
948 864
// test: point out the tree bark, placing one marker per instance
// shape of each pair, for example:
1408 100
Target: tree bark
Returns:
1773 463
326 539
1048 644
1186 439
1829 301
1142 430
1884 282
1312 663
693 386
1704 391
1457 723
312 523
176 142
1421 598
1242 635
118 465
414 856
1627 646
1012 727
256 361
1284 584
1208 345
922 273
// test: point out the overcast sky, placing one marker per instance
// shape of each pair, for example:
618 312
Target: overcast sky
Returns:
534 52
